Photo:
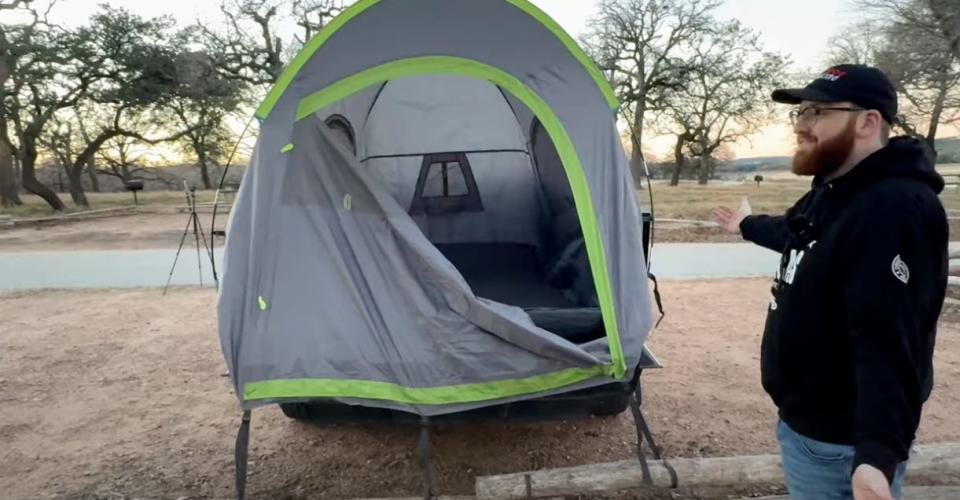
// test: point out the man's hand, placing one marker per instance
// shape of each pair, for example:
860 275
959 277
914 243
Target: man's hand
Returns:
870 484
729 219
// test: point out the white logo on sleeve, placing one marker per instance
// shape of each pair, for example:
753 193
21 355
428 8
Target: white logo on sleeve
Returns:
900 269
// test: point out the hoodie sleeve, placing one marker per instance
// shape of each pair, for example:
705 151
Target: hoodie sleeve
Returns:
768 231
890 284
772 231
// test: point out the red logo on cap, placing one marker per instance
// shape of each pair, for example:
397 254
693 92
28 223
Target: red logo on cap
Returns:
833 74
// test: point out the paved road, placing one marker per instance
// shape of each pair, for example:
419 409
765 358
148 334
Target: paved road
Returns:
101 269
150 268
712 260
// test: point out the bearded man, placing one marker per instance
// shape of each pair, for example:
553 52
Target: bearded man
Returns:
847 349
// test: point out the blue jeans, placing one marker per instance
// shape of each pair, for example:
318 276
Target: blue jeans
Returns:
815 470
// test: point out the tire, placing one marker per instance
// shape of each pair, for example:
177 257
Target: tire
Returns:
611 406
296 411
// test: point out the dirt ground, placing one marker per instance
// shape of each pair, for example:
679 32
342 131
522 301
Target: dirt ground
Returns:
126 232
122 394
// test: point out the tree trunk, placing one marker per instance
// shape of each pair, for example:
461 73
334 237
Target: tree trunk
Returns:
8 180
28 159
85 159
204 174
679 161
704 169
8 176
636 137
931 137
92 173
17 171
675 177
75 180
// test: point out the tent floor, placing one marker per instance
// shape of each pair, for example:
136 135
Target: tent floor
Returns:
505 272
512 274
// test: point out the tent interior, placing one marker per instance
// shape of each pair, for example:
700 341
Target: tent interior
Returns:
482 179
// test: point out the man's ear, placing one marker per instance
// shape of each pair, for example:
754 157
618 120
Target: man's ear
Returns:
870 121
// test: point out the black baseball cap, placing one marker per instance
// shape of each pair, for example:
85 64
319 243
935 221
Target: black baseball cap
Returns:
864 86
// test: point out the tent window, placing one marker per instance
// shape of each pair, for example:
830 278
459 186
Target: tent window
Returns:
445 179
445 186
343 130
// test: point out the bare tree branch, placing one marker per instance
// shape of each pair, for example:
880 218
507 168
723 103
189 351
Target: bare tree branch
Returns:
725 98
916 45
640 45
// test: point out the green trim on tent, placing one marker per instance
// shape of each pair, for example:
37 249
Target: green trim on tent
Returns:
602 83
452 394
568 155
301 59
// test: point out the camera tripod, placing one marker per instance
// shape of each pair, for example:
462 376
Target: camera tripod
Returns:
193 221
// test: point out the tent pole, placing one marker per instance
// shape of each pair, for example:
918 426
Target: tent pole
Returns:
429 493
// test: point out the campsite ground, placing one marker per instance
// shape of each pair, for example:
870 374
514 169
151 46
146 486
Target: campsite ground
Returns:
122 393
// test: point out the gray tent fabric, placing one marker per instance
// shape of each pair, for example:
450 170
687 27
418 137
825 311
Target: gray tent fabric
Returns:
335 287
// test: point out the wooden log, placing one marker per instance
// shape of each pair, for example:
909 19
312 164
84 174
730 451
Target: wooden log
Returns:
419 498
927 461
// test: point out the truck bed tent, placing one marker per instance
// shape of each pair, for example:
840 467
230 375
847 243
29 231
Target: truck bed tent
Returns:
438 216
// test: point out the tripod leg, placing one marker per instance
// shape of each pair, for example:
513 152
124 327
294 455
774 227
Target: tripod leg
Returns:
183 238
210 254
208 248
196 238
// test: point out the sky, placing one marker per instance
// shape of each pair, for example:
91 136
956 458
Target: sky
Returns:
801 33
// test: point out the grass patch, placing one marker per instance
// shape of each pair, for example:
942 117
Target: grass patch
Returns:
692 201
686 201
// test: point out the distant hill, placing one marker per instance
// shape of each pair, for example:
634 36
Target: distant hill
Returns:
949 150
760 163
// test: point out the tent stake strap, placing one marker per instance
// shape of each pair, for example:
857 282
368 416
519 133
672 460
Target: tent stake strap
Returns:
243 445
643 431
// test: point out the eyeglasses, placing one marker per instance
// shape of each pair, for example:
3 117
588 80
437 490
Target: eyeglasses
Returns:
811 114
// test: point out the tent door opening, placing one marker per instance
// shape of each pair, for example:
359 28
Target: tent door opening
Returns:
484 182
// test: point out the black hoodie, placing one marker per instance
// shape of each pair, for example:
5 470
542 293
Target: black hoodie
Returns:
847 350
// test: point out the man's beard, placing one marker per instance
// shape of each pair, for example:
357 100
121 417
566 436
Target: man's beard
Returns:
826 156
